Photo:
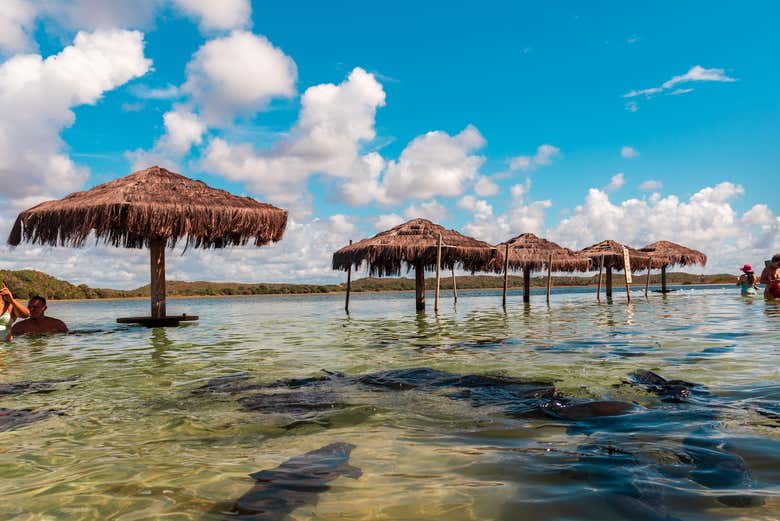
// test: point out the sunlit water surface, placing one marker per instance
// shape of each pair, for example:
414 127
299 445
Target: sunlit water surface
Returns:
135 443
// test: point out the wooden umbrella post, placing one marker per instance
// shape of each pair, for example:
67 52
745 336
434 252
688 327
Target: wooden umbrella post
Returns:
663 279
609 281
419 284
647 282
506 273
526 284
438 276
598 288
349 285
157 265
627 272
454 285
549 277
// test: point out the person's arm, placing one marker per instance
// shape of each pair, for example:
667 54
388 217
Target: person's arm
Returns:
61 327
765 275
17 310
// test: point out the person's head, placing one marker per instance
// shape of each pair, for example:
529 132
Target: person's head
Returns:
36 305
776 259
747 269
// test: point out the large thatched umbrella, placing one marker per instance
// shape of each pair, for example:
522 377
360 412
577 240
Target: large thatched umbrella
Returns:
528 253
151 208
609 254
414 243
665 253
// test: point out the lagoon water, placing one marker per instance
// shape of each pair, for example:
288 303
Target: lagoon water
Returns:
134 442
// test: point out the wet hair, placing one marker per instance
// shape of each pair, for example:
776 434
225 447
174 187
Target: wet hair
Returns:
38 298
776 257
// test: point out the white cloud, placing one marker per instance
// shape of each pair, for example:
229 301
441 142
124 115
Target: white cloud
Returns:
100 14
434 164
17 22
651 185
480 208
218 16
696 73
632 106
485 187
387 221
628 152
335 120
545 154
183 130
431 210
37 96
759 214
616 182
706 221
236 75
142 91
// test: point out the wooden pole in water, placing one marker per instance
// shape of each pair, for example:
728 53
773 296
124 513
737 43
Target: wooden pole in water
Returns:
438 276
609 281
647 282
663 279
506 272
157 265
598 288
349 284
454 285
419 285
549 277
526 284
626 270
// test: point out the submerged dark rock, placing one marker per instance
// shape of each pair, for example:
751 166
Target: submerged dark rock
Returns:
231 383
669 390
291 402
29 386
295 483
11 419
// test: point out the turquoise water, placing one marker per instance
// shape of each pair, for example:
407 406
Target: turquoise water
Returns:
132 440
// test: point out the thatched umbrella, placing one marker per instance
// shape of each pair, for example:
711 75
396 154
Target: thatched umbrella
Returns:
609 255
416 244
528 253
151 208
665 253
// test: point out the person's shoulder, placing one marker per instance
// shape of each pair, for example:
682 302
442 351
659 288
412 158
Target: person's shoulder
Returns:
56 322
22 325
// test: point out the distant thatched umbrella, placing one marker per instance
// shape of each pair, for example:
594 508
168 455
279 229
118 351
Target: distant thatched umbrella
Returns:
415 244
665 253
612 254
528 253
151 208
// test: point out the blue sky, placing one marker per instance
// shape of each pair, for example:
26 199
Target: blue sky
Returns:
581 123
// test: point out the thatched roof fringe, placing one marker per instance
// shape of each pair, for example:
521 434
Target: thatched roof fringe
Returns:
414 242
613 256
527 251
152 203
665 253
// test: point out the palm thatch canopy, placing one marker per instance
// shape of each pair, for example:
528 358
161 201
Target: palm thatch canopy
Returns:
414 242
612 252
666 253
532 253
151 204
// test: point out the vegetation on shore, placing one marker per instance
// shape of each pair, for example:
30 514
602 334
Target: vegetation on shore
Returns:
25 283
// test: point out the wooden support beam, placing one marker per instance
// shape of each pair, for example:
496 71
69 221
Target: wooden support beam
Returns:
663 279
647 282
526 284
349 284
549 277
454 286
506 273
419 285
598 288
438 276
157 272
609 281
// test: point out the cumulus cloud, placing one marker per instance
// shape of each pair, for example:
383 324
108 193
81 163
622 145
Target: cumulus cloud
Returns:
218 16
37 96
183 130
99 14
434 164
333 123
628 152
238 74
545 154
706 221
17 22
387 221
616 182
651 185
485 187
431 210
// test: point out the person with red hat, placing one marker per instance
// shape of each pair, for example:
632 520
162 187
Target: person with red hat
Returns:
747 281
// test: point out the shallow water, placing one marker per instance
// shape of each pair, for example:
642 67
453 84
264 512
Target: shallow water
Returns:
134 442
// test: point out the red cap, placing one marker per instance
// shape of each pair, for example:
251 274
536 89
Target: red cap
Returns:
747 268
